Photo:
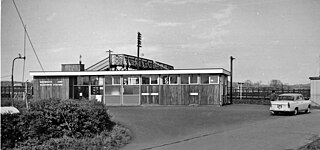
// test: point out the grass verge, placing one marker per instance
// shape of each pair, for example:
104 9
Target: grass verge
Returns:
315 145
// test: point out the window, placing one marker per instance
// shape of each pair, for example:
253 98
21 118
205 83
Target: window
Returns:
173 79
214 79
82 80
193 79
165 79
286 98
108 80
113 90
112 80
204 79
145 79
130 80
96 90
184 79
96 80
131 90
116 80
154 79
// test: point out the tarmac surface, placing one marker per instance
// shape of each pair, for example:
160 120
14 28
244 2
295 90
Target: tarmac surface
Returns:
210 127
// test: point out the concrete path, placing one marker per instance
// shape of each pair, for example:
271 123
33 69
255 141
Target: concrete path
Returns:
289 132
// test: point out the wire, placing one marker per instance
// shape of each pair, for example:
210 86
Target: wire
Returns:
27 35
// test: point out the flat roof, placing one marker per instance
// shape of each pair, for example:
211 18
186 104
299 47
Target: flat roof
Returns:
132 72
314 78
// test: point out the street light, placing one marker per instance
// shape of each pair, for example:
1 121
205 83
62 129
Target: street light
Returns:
19 57
231 72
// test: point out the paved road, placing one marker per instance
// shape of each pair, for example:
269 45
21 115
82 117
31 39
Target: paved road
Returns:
290 132
210 127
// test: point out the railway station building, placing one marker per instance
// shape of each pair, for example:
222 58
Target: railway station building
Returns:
120 81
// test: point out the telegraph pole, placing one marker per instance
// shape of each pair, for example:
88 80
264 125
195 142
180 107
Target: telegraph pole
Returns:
138 49
231 74
110 61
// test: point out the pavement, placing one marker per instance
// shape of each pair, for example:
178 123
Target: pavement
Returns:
222 128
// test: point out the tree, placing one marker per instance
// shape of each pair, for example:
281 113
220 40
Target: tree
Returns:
257 84
248 83
277 84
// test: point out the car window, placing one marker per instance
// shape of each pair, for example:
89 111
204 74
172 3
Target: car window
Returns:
286 98
299 98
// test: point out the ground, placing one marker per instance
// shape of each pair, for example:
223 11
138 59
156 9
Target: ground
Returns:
212 127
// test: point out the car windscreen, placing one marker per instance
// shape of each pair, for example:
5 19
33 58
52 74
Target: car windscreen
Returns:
285 98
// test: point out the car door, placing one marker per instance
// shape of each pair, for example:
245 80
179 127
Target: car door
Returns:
300 103
304 103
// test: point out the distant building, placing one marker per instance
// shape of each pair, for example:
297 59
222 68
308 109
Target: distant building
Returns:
315 90
120 83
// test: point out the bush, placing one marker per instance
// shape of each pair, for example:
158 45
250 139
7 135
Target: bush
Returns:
114 139
9 131
54 119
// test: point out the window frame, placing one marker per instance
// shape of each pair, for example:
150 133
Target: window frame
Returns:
181 77
191 75
150 79
113 83
218 79
204 75
177 76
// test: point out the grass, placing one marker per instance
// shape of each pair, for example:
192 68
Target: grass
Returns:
315 145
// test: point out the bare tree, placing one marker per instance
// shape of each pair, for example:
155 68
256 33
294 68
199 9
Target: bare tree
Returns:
277 84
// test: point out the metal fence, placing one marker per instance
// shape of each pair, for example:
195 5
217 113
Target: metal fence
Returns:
264 92
6 91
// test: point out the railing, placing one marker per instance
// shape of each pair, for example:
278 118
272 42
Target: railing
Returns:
264 92
6 91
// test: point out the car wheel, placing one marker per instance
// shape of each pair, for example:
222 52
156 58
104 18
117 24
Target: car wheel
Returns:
308 110
295 111
273 113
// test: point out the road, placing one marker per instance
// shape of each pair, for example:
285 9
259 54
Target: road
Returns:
231 127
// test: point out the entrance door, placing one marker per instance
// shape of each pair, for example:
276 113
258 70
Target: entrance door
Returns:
81 92
113 90
131 90
113 95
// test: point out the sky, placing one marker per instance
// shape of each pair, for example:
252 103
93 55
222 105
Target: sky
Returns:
270 39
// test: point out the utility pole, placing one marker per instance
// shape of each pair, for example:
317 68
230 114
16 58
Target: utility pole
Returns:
12 84
138 48
231 75
110 61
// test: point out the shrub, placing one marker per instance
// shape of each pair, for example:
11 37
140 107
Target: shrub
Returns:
114 139
47 119
9 131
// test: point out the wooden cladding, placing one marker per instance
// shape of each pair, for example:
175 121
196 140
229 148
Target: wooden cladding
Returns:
180 94
51 87
72 67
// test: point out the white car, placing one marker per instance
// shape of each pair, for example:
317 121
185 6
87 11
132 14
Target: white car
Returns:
293 103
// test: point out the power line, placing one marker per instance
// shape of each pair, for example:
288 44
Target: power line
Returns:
27 35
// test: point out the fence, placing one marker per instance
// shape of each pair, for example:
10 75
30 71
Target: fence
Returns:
264 92
6 91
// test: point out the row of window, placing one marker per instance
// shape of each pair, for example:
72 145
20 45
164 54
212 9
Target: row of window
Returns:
148 79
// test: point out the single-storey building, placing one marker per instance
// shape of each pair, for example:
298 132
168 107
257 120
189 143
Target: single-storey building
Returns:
122 84
315 90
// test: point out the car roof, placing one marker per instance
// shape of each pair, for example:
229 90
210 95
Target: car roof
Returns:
291 94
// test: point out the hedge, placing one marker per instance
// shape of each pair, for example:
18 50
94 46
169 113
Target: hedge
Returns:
54 119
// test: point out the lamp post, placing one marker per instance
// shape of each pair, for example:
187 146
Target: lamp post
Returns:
231 72
12 85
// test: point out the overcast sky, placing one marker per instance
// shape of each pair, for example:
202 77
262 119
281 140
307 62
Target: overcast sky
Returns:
270 39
